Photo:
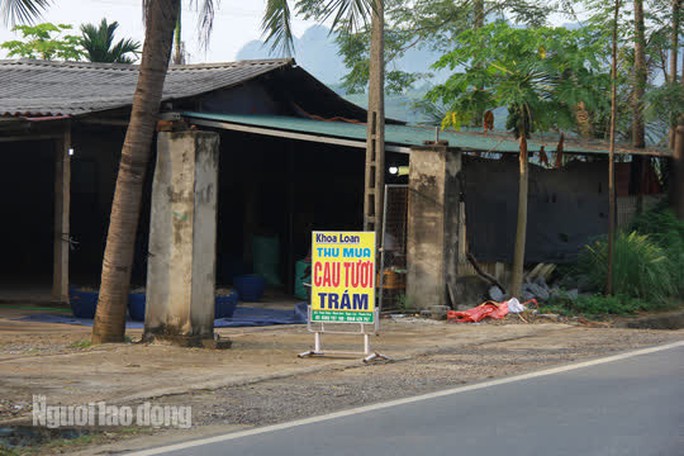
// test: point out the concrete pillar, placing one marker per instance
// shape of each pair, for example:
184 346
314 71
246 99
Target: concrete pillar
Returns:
182 263
434 223
60 264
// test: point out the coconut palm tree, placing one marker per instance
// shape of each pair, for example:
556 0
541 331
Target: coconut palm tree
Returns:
161 18
98 40
110 318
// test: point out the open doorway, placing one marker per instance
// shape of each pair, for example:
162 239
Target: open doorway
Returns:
27 171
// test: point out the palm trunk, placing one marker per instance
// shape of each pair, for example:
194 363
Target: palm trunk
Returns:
119 252
640 76
479 17
638 126
478 13
521 231
674 40
674 55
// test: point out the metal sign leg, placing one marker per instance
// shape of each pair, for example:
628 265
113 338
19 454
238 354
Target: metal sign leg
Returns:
371 356
318 350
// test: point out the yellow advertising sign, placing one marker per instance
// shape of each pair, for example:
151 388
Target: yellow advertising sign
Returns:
343 276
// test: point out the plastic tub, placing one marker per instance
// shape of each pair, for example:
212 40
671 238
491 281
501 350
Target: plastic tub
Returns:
83 303
225 305
136 306
250 287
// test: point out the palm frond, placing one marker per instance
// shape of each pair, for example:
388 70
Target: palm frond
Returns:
23 11
348 13
277 27
124 47
207 11
97 41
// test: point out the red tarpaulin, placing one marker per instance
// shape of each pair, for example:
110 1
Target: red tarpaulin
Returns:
488 309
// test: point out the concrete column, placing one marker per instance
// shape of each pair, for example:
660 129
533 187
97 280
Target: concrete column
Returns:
60 265
434 224
182 264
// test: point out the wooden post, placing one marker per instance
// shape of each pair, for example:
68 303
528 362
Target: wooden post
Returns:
678 164
375 145
60 269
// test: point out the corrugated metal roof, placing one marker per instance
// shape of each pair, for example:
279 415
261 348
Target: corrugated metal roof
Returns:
42 88
401 135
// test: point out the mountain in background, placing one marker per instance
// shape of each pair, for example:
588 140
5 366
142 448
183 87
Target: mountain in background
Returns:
316 51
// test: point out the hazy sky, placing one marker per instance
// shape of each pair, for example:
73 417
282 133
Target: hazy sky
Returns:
236 23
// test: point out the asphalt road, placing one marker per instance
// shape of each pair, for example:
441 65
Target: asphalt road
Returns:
630 405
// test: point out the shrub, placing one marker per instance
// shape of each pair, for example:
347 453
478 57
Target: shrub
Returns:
662 226
641 268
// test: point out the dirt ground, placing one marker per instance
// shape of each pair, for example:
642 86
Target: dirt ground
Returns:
260 380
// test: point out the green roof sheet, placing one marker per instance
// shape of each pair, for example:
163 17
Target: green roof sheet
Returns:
404 135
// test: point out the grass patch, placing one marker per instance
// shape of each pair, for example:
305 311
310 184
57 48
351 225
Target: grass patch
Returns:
83 343
66 445
608 305
663 227
594 305
67 441
641 269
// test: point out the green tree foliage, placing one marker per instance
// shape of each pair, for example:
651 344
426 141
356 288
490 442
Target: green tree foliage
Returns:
662 102
543 75
423 24
45 41
98 42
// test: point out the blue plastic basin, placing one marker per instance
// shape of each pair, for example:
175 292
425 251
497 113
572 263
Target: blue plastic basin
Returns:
136 306
83 303
250 287
225 305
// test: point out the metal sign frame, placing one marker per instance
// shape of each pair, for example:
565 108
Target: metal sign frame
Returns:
365 330
318 328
